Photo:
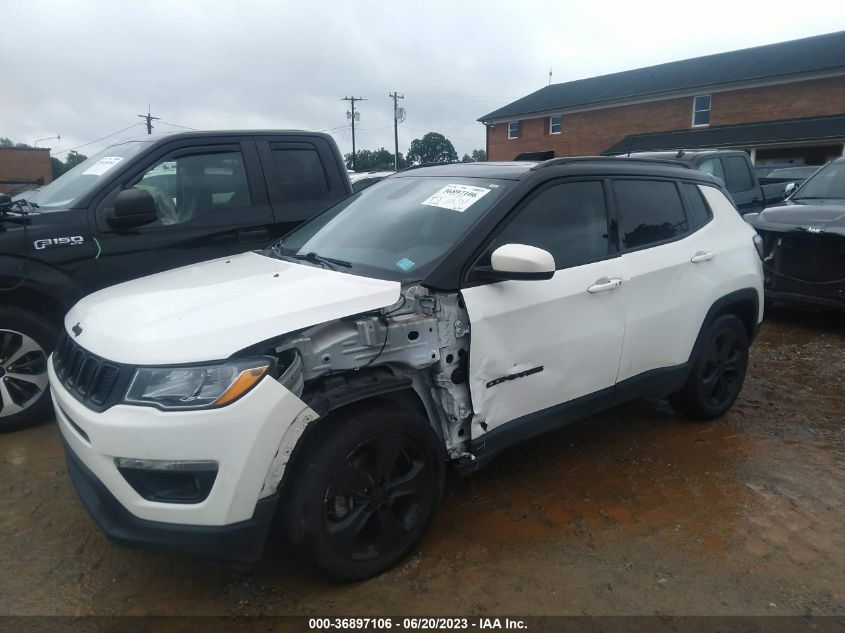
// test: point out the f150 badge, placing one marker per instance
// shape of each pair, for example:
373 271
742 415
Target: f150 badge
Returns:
52 242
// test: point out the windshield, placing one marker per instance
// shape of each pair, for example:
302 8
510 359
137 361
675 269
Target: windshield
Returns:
828 182
397 229
65 190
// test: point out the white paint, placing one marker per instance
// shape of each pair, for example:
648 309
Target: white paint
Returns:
102 165
516 326
522 258
456 197
669 295
210 310
593 325
242 438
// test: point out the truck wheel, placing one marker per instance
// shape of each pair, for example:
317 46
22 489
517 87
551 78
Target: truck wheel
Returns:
718 371
26 340
365 491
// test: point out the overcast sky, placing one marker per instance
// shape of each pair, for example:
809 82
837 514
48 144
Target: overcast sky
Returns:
86 69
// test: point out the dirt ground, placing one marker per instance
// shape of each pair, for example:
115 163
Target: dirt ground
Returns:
635 511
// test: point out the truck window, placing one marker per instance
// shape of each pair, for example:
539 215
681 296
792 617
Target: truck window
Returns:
713 166
300 174
737 174
186 187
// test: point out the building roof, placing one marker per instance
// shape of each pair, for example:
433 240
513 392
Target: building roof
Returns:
786 130
811 54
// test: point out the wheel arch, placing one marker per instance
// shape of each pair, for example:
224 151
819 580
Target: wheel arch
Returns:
331 399
744 304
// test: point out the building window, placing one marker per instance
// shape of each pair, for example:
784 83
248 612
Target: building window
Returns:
513 129
555 124
701 110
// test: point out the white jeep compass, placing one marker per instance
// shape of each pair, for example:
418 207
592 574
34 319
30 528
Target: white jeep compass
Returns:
434 318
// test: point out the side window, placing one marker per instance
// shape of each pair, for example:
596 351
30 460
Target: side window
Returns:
569 220
713 166
300 174
697 210
737 174
650 211
186 187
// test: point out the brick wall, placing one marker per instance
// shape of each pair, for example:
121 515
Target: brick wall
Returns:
24 164
592 132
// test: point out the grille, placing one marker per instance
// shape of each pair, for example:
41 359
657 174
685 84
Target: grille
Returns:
814 258
88 377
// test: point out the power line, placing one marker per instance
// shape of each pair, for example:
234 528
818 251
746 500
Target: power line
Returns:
184 127
102 138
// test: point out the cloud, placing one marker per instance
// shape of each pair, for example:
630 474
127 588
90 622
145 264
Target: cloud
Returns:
85 69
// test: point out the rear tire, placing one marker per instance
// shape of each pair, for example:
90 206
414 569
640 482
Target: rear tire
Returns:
26 340
365 490
717 372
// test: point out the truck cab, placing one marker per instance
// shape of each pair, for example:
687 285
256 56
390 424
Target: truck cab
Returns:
137 208
732 167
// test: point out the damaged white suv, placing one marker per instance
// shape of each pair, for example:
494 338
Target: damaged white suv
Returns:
436 317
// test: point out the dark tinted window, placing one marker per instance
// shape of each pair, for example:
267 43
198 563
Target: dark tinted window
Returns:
737 174
300 174
650 211
569 220
698 212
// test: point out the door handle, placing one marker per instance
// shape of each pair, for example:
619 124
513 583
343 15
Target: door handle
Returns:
604 284
702 256
253 235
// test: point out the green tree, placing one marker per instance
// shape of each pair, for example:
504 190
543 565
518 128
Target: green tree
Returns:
57 167
373 160
479 156
6 142
73 159
432 148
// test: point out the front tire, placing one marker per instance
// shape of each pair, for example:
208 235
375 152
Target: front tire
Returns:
365 490
26 340
718 371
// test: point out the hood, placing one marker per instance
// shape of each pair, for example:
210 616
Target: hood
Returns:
822 216
209 311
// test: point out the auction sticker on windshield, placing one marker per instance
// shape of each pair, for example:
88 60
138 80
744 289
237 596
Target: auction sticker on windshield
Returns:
456 197
102 165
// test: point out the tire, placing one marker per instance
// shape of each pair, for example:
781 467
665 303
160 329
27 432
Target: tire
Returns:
717 372
26 340
365 490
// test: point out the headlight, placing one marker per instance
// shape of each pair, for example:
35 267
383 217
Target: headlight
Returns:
195 387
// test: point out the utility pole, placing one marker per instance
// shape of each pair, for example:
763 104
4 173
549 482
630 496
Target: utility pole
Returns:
395 97
149 119
352 117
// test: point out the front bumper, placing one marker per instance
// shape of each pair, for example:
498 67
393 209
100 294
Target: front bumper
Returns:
240 542
249 441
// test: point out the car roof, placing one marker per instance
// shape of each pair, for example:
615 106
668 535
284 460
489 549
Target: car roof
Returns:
576 166
685 154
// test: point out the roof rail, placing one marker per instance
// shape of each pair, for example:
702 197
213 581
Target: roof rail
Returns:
553 162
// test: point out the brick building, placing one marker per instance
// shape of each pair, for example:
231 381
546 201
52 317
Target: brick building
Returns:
24 167
783 103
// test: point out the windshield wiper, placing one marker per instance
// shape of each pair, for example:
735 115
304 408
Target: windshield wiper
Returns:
328 262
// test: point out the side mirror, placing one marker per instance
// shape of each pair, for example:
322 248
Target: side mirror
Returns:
519 261
132 207
789 189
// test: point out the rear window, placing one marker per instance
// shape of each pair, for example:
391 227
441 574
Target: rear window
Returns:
737 174
300 174
650 211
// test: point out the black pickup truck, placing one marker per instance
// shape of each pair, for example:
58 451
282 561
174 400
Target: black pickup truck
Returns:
137 208
733 167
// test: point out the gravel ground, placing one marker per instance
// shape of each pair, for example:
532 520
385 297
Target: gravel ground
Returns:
635 511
